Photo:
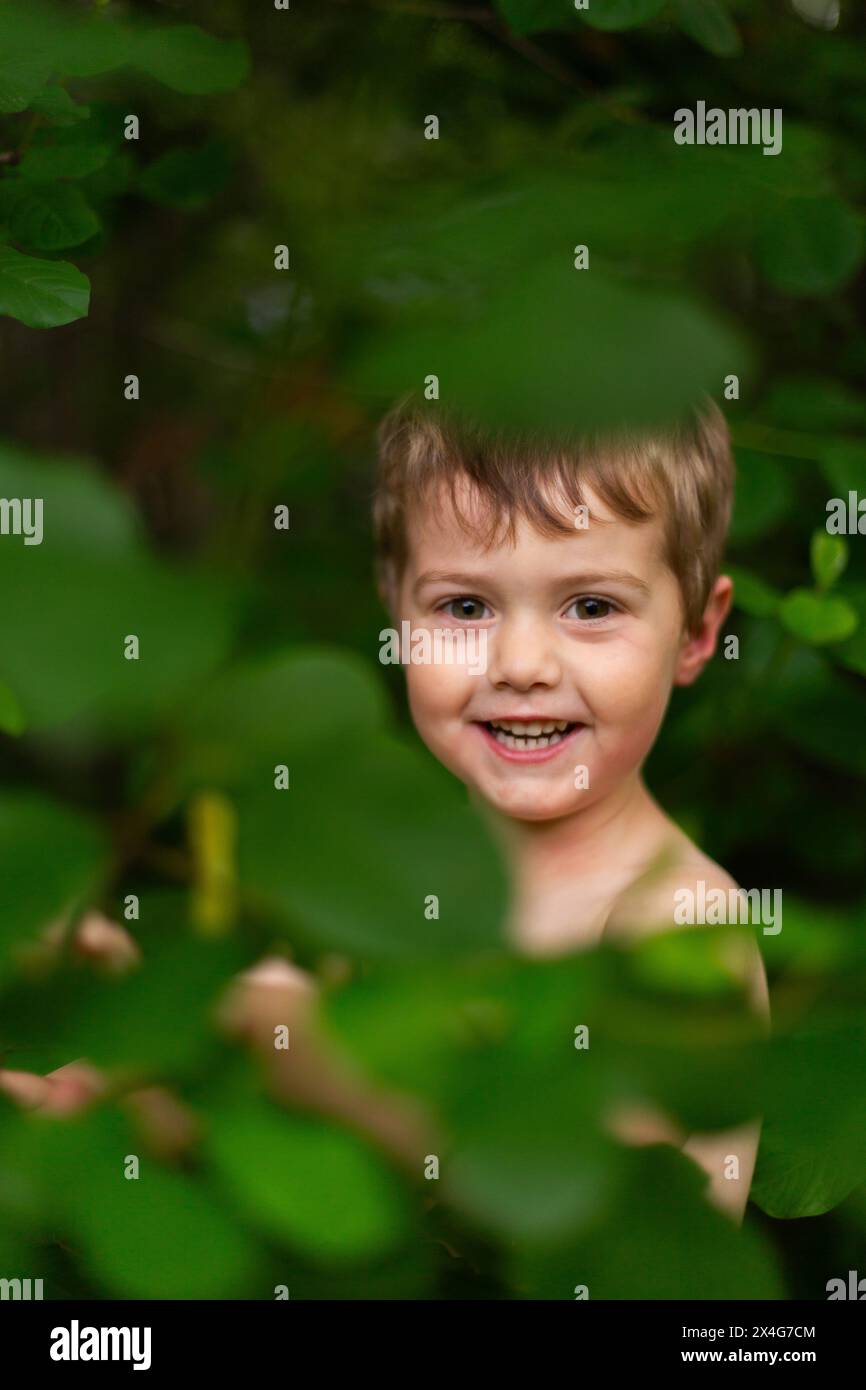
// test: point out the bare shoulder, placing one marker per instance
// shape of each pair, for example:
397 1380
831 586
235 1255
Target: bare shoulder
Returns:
668 896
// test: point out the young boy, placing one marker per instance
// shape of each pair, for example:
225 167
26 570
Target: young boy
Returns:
590 572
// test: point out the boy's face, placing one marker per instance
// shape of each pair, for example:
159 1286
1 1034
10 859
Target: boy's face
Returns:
583 629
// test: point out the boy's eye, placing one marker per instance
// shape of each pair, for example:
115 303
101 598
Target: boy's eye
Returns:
589 608
470 609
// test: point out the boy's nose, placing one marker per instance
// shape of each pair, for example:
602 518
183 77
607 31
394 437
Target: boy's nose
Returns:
522 654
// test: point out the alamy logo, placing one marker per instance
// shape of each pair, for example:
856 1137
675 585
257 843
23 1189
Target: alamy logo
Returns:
847 519
22 516
438 646
855 1288
21 1288
716 907
735 127
75 1343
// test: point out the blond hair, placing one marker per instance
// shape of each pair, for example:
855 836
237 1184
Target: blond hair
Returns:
682 473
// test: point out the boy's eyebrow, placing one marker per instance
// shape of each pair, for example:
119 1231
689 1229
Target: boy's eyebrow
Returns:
445 577
606 577
573 582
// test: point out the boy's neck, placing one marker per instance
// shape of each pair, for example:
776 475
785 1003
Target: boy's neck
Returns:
598 850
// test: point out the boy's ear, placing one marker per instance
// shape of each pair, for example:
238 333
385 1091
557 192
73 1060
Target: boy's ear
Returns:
698 646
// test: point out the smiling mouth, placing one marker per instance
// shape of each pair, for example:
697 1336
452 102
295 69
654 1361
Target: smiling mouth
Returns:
529 736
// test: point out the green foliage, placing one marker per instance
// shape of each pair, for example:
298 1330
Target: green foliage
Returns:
829 556
156 777
708 22
42 294
40 887
301 1181
39 211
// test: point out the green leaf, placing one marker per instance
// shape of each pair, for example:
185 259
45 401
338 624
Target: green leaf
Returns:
537 16
820 711
346 805
763 495
39 885
844 464
320 1190
96 584
51 216
55 102
188 60
561 345
852 653
752 594
710 25
110 1019
12 719
64 153
808 1169
339 694
92 45
42 294
24 70
63 42
829 556
813 246
620 14
817 618
671 1245
814 404
186 178
160 1235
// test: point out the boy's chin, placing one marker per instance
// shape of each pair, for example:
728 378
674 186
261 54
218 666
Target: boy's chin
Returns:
531 803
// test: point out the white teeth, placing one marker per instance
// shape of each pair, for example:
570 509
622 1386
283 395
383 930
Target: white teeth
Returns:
532 729
527 744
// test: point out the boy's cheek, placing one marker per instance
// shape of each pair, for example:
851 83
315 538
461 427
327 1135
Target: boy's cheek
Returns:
438 694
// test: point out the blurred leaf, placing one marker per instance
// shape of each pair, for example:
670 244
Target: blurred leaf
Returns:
25 64
55 102
820 712
752 595
564 346
189 60
844 464
162 1234
42 294
86 45
710 25
186 178
346 805
828 556
110 1019
660 1240
763 495
74 599
64 152
320 1190
808 1166
813 247
803 402
620 14
536 16
852 651
817 618
302 701
51 216
12 719
50 859
91 516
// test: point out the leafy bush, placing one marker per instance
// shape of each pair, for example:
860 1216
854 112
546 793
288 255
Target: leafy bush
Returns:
260 388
